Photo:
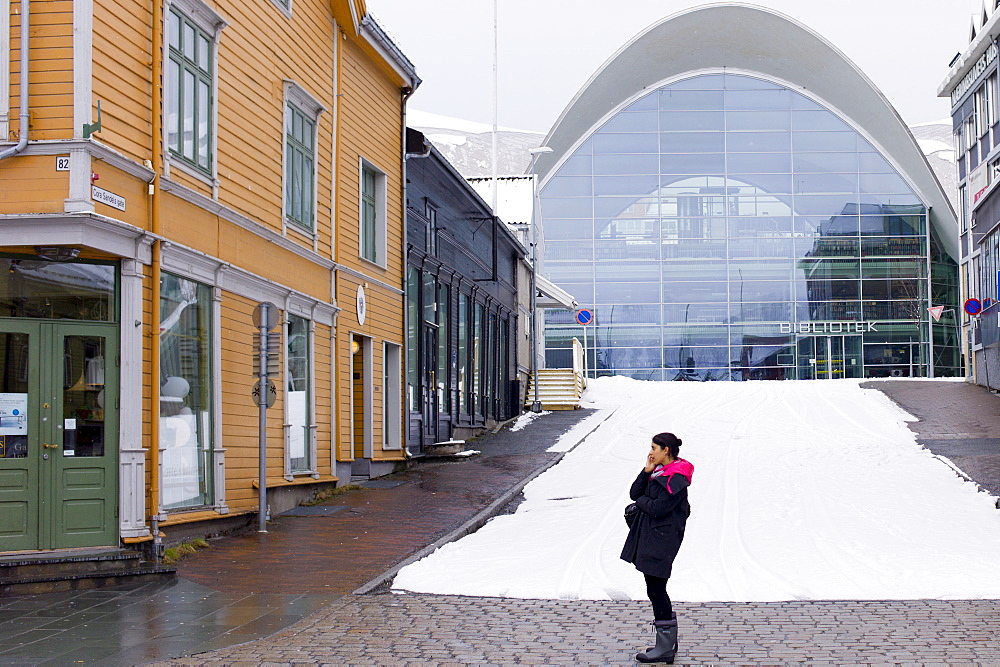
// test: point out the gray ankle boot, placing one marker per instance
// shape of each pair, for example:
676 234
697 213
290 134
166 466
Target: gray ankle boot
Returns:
666 643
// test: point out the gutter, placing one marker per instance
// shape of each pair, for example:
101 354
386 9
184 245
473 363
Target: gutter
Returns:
374 30
23 84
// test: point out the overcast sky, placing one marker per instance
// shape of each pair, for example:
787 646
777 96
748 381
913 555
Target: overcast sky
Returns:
549 48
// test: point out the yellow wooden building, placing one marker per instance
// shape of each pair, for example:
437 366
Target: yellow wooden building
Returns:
166 167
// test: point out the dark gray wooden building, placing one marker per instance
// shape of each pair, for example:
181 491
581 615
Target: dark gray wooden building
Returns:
464 267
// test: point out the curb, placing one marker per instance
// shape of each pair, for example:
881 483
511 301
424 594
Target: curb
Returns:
478 520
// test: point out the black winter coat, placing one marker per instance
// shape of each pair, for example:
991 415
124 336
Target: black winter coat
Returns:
658 529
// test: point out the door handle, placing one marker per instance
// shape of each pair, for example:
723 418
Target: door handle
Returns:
48 446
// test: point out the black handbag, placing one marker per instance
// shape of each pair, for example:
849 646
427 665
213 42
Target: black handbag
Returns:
631 512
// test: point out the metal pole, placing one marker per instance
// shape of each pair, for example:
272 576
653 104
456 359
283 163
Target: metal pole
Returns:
536 405
262 423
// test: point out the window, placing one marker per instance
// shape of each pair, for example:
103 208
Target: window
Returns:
192 28
478 357
372 244
186 419
298 397
430 213
982 102
301 114
464 393
392 433
412 338
964 208
970 131
444 336
992 101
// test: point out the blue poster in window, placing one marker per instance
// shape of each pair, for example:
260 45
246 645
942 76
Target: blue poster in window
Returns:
13 414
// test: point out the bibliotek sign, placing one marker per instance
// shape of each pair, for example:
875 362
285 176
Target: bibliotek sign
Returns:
827 327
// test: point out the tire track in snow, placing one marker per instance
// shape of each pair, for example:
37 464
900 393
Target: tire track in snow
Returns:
739 564
833 554
587 562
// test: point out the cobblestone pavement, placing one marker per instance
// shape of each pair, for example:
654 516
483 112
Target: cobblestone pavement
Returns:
957 420
397 629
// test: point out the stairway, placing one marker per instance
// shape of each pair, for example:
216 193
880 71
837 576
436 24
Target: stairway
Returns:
30 573
558 389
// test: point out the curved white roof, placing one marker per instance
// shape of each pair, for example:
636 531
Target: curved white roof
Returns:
747 39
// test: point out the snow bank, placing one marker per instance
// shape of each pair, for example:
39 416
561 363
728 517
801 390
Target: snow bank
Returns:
802 490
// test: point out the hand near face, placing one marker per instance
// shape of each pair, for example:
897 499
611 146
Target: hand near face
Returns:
650 463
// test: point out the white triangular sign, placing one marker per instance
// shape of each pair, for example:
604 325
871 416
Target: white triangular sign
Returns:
935 312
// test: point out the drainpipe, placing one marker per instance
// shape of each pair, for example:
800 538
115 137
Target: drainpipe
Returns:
23 84
157 254
404 424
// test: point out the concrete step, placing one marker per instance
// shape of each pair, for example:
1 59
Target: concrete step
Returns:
30 573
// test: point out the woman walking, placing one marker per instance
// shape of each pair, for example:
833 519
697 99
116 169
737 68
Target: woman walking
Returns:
660 493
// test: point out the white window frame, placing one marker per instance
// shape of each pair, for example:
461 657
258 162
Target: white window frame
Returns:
310 440
381 216
212 23
392 391
284 7
296 96
969 131
991 100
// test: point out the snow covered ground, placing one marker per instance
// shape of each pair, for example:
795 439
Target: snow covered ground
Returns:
802 490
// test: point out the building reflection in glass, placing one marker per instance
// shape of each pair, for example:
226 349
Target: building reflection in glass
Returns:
725 227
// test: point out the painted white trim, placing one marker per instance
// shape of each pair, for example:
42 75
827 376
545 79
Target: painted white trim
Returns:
200 200
290 474
97 151
368 349
381 212
367 394
83 229
203 268
218 451
80 168
336 416
208 20
313 426
392 396
180 165
5 69
214 154
83 65
301 99
131 453
286 426
123 240
199 12
366 278
287 11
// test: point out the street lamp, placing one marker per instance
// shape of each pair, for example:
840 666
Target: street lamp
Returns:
536 405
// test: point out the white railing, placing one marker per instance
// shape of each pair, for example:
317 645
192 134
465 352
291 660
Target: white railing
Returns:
579 359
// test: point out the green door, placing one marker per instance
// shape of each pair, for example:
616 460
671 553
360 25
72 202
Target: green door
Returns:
58 435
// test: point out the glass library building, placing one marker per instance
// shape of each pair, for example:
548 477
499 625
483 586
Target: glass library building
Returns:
734 200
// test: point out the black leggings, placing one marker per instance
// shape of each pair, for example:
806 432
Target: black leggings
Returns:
656 591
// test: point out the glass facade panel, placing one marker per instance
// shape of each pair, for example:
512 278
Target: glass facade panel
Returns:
750 233
36 288
298 397
186 404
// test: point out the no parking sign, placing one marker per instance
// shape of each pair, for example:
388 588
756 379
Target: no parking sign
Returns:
584 316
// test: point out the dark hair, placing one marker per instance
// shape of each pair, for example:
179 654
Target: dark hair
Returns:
668 441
